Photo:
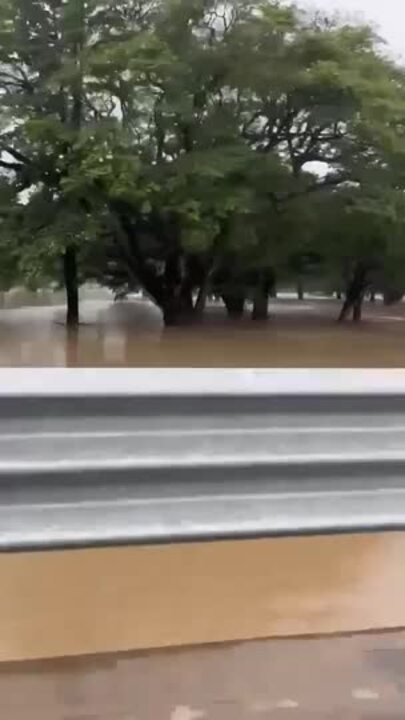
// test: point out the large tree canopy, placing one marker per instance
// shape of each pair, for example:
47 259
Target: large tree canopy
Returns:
183 145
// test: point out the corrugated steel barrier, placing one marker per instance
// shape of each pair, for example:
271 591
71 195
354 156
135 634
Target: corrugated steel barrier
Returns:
104 457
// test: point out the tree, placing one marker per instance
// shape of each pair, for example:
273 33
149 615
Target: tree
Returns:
185 145
360 238
42 50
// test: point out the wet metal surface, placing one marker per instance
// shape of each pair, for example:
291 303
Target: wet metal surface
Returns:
87 470
329 678
138 456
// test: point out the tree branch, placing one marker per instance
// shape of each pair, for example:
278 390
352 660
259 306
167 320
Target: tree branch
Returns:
16 154
333 181
10 166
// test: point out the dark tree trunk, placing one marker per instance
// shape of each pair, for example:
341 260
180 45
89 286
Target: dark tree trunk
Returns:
300 289
177 310
355 294
357 309
261 301
202 297
171 313
186 297
344 311
392 296
260 306
172 289
235 305
70 255
177 303
265 287
71 286
72 346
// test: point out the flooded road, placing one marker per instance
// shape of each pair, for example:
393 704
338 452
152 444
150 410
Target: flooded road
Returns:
252 630
120 599
131 334
347 678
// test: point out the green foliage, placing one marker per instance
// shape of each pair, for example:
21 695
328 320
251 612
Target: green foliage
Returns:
221 134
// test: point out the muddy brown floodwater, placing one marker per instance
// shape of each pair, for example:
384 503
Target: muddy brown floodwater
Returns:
130 334
346 678
305 628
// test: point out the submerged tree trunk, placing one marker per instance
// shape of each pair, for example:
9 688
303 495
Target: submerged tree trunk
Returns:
202 296
175 312
265 287
260 306
392 296
261 301
177 305
72 286
235 305
355 294
357 309
72 346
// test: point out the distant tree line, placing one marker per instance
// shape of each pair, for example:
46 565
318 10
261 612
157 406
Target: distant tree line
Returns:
191 147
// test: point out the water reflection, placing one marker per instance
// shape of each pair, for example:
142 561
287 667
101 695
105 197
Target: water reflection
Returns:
131 334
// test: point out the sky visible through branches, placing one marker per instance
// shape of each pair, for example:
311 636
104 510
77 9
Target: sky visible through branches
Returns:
388 16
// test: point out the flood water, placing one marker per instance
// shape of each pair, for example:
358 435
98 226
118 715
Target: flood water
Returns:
131 334
288 599
349 678
135 598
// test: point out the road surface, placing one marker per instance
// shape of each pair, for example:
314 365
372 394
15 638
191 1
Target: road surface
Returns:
331 678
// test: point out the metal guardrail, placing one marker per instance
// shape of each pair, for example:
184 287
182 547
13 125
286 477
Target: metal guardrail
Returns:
90 457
